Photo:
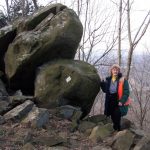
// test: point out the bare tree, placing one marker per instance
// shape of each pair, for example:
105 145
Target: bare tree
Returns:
99 35
7 7
138 36
35 4
23 7
98 105
140 85
20 8
119 33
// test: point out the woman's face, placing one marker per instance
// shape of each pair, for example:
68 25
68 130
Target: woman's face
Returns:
115 71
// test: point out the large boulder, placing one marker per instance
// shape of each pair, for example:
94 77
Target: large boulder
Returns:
54 33
34 20
67 82
7 35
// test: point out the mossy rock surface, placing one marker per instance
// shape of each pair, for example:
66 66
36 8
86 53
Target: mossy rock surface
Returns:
7 35
67 82
31 22
56 36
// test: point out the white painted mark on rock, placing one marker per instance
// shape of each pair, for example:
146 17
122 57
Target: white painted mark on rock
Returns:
68 79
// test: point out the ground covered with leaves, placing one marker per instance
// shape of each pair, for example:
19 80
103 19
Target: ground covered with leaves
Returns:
55 134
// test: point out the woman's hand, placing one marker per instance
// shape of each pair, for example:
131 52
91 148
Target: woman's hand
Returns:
120 104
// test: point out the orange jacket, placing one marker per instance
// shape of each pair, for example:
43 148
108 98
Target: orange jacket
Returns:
120 91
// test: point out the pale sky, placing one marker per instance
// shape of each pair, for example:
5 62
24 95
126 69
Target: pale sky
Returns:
139 9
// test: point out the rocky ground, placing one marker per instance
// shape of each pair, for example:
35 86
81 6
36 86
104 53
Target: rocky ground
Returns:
25 126
55 133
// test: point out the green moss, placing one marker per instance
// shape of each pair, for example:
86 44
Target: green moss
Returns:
78 90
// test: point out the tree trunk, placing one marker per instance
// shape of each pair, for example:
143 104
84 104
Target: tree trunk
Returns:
7 6
119 33
35 4
129 62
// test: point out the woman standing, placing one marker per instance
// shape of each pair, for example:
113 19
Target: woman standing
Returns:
116 88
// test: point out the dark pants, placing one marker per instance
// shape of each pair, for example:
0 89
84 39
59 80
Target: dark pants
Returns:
114 111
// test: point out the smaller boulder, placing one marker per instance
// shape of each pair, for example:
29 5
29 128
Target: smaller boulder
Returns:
86 125
98 118
143 144
101 132
67 111
19 112
124 140
37 117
